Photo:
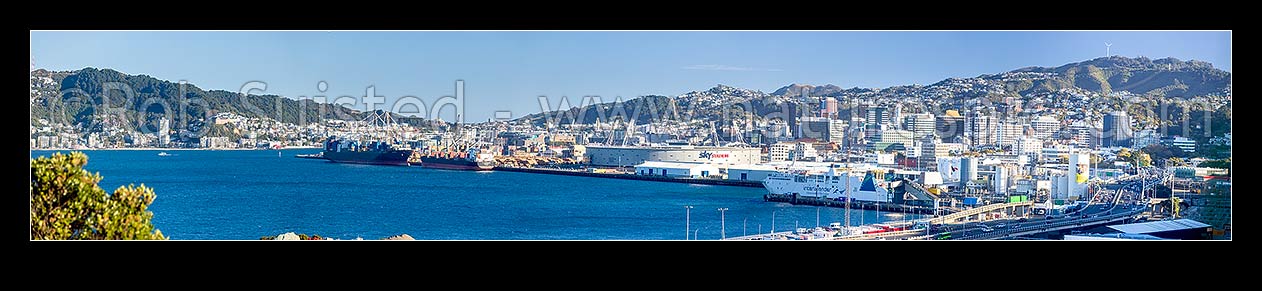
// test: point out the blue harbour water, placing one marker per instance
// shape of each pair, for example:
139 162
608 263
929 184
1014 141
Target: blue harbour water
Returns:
243 195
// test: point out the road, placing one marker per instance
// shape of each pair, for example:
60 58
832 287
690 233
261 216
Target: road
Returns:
1124 198
1117 201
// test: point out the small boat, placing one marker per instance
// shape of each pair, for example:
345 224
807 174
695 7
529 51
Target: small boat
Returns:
163 154
319 155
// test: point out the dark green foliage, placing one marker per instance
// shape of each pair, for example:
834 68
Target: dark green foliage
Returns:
1214 151
1219 164
1159 152
643 110
87 93
223 130
1137 158
67 204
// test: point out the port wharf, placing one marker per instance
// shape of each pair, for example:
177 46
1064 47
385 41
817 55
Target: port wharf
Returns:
791 199
584 173
576 172
868 205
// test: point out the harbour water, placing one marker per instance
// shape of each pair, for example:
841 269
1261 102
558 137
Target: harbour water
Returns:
243 195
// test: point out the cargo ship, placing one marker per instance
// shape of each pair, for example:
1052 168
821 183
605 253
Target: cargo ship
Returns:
370 152
472 159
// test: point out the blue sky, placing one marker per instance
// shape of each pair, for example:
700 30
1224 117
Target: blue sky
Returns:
508 70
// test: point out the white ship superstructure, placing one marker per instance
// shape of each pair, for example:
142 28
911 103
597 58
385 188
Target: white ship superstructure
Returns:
866 184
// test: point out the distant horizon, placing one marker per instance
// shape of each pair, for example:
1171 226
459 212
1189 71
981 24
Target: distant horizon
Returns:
766 91
498 77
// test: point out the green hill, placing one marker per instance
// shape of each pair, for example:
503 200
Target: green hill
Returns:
93 96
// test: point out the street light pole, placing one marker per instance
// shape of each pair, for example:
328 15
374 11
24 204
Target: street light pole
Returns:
723 222
687 220
743 221
773 221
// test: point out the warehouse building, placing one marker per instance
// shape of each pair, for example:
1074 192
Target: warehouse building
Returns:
619 156
676 170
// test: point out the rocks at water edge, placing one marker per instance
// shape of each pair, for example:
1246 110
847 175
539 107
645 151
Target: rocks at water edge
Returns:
294 236
401 237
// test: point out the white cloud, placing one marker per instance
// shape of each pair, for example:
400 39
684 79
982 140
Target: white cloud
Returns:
726 68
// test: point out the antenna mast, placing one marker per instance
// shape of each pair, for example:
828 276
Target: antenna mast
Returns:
846 154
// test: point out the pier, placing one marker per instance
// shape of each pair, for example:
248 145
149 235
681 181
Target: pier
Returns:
878 206
720 182
584 173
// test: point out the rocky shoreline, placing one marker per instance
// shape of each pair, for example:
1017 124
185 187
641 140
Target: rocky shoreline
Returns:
296 236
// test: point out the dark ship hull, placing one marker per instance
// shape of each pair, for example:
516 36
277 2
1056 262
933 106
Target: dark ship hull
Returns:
389 157
455 164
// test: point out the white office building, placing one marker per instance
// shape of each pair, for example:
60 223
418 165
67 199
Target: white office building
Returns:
779 152
804 152
1044 126
837 131
164 131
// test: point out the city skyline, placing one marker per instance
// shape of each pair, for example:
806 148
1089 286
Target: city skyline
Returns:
508 70
1001 135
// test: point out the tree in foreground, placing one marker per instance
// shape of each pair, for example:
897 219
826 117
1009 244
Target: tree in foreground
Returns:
67 204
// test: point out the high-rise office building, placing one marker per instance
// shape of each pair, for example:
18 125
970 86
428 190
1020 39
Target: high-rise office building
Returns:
950 125
896 115
794 112
929 153
814 127
164 131
836 131
920 124
877 116
878 120
829 107
981 129
1081 134
1044 126
1117 130
1144 138
1007 134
